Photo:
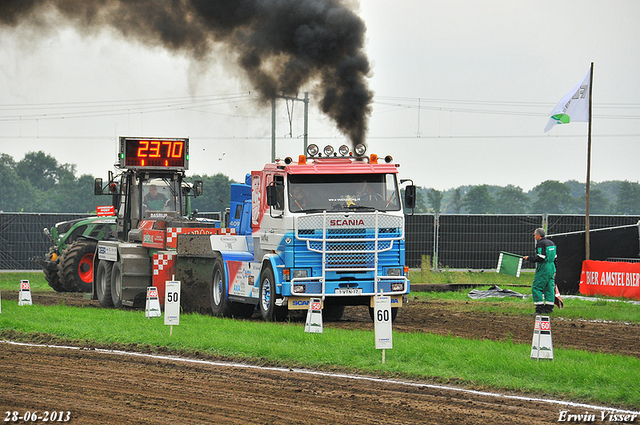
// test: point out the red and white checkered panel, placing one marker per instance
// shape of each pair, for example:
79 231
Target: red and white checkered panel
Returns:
163 270
160 262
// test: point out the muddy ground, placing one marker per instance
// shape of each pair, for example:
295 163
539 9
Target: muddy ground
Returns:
99 387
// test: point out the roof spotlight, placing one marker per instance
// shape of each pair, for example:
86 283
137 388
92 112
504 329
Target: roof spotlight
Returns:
388 159
328 150
343 150
360 149
313 150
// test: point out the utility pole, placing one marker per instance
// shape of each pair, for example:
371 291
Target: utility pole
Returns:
273 121
587 226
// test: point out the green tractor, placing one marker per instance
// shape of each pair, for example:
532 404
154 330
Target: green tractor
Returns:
68 266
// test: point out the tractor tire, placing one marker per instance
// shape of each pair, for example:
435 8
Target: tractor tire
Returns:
116 285
76 266
103 283
267 303
53 278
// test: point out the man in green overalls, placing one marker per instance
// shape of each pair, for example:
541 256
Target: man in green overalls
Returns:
543 287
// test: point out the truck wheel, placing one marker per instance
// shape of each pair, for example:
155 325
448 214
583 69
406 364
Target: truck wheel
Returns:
267 304
76 266
394 313
219 301
103 283
116 285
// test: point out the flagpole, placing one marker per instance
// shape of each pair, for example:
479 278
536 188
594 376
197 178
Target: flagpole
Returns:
587 243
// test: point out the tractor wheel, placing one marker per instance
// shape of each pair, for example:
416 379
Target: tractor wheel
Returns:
103 283
53 278
116 285
267 304
76 266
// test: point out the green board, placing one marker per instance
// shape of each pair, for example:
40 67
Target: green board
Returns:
510 264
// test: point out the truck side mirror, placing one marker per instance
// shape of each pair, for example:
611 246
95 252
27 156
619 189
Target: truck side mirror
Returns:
97 186
275 197
272 197
410 197
197 188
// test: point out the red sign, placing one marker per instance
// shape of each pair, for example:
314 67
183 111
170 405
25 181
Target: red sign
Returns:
616 279
106 211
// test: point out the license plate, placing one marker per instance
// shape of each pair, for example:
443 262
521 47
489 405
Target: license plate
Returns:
348 291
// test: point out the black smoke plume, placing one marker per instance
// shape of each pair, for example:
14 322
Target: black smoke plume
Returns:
280 44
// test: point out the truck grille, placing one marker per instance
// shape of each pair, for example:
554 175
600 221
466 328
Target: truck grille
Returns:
349 241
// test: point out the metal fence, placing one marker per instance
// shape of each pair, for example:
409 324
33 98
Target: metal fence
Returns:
464 241
22 237
457 241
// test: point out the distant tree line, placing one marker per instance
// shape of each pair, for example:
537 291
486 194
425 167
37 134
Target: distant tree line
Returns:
38 183
550 196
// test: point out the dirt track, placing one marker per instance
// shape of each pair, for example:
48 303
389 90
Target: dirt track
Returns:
98 387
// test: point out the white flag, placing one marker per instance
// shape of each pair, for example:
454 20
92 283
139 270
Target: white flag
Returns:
574 106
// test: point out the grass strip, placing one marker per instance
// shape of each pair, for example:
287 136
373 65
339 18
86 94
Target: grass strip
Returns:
498 365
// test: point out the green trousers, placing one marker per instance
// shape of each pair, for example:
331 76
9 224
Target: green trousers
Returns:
543 288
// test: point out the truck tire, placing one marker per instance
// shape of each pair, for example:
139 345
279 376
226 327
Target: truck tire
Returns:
267 304
116 285
103 283
76 266
218 289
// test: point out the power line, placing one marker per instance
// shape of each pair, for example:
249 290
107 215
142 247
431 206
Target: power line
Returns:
268 137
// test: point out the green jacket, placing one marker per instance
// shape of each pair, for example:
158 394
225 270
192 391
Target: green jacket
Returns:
545 257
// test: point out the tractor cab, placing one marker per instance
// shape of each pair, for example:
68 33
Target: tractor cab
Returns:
151 186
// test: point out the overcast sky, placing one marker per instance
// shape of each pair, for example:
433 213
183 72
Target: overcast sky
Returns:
462 95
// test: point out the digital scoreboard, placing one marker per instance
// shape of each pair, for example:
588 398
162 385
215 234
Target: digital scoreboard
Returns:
140 153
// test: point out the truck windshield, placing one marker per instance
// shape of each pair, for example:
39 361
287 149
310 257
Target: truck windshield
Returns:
343 192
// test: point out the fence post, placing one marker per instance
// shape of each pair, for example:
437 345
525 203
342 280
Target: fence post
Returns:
436 234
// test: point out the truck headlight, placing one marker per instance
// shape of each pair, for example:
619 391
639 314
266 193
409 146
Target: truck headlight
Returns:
299 289
299 274
394 272
312 150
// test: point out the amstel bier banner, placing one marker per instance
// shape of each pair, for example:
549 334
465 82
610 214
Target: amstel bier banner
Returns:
615 279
